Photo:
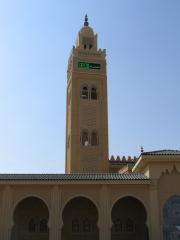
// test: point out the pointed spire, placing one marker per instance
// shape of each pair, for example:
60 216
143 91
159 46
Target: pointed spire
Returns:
86 23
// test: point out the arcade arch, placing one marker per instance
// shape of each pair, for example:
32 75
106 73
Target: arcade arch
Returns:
129 220
80 217
30 220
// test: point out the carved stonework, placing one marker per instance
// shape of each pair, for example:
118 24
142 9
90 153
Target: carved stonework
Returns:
169 172
174 170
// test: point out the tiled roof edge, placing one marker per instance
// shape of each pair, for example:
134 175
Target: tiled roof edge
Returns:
162 152
72 177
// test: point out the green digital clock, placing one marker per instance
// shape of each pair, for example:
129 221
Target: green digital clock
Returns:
89 65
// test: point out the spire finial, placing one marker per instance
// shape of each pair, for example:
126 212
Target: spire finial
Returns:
86 23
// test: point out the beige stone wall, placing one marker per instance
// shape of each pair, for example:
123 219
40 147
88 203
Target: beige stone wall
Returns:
56 196
104 195
164 172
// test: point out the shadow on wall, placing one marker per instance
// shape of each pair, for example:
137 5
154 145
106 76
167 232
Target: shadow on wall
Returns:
80 218
129 220
30 220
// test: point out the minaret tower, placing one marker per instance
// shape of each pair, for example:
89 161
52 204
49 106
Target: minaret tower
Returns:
87 118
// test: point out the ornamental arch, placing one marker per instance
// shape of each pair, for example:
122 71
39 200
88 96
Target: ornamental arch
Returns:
80 218
171 218
129 219
30 217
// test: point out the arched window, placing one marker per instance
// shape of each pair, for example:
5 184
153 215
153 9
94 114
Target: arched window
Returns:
118 225
75 226
85 138
32 226
84 46
90 46
27 217
84 92
93 93
76 212
132 214
129 226
86 225
43 225
94 138
171 217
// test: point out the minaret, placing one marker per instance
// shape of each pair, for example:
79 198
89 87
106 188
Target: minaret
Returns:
87 117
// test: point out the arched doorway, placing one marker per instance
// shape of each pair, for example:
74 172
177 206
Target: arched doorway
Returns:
80 218
129 220
30 220
171 217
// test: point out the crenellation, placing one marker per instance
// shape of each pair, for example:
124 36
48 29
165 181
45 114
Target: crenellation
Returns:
123 159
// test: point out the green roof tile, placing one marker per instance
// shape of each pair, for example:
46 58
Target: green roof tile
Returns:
162 152
72 177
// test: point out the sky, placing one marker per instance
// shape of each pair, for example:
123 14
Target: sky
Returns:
142 40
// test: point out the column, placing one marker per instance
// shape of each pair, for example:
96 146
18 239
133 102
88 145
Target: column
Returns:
6 221
55 221
154 223
104 215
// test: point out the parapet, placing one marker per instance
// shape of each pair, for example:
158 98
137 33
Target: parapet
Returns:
123 159
121 164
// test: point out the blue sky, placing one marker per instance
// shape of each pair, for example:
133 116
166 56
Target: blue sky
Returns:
142 39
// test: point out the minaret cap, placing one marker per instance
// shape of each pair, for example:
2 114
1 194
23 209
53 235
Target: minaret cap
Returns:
86 23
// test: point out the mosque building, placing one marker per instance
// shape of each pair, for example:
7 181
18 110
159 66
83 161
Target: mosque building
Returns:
97 198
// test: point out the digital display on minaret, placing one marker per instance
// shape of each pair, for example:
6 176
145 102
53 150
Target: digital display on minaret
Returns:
89 65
